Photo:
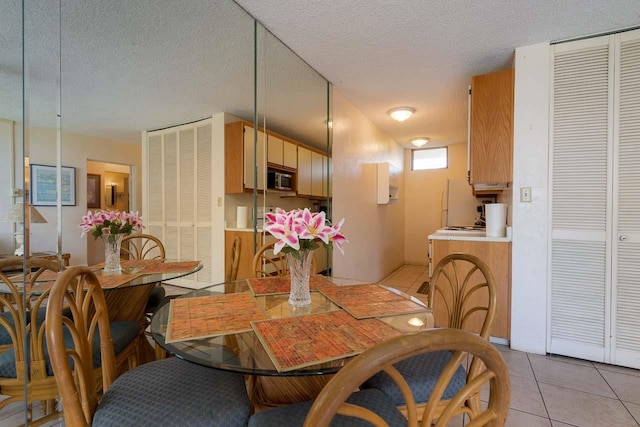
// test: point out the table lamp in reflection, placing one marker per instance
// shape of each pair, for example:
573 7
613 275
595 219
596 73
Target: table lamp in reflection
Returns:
16 215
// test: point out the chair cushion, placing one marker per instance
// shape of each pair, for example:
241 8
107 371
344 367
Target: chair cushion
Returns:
174 392
295 414
421 373
5 338
122 334
157 295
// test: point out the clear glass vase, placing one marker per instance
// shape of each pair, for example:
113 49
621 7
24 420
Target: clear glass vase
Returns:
300 266
112 244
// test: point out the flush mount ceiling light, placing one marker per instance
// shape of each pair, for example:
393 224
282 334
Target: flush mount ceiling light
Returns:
420 141
401 113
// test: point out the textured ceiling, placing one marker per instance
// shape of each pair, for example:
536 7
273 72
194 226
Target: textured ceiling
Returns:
386 53
128 66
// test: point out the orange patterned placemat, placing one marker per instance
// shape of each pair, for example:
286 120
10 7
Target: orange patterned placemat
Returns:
371 300
171 267
296 342
202 317
116 280
282 284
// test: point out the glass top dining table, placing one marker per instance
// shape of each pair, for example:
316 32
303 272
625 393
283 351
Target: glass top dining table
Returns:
245 352
134 273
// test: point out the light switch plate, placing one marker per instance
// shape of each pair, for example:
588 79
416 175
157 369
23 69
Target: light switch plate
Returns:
525 194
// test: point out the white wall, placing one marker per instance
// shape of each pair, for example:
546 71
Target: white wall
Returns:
375 232
76 150
424 201
530 220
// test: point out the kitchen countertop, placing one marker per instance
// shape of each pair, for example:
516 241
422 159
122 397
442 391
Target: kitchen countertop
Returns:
246 230
473 236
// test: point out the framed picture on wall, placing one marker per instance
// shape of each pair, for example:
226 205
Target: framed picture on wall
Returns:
93 190
44 184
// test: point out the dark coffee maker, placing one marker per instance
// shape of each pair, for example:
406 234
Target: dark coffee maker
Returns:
481 218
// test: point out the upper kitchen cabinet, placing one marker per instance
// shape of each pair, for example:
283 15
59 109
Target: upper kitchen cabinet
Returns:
239 158
281 153
491 144
313 175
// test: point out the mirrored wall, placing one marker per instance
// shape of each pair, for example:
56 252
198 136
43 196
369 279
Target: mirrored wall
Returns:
84 83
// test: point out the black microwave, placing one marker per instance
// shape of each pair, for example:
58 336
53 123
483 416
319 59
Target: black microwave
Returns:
277 180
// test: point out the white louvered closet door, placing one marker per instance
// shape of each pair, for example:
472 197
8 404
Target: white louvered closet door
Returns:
180 195
595 256
581 167
626 272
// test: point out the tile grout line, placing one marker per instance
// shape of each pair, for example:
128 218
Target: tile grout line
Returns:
535 378
617 396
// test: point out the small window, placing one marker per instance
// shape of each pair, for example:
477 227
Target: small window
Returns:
429 158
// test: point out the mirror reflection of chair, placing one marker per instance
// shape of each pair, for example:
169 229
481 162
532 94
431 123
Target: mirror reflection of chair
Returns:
164 392
145 246
34 369
141 246
15 368
236 247
462 294
267 264
338 403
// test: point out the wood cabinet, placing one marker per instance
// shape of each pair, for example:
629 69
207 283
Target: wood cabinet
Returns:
247 252
318 162
304 171
281 152
308 166
491 144
313 176
239 158
497 255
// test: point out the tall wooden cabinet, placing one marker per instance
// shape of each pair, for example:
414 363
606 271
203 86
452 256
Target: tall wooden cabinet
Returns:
497 256
491 144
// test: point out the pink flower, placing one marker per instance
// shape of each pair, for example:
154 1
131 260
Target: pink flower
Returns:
110 222
301 229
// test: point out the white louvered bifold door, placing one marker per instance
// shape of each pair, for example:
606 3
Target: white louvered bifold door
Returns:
626 269
581 166
203 208
180 195
154 220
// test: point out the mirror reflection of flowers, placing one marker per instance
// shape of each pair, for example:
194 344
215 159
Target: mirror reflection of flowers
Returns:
300 229
110 222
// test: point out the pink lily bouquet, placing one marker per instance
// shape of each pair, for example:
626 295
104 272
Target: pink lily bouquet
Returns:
300 229
110 222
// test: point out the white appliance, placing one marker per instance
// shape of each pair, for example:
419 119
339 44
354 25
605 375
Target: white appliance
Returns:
459 206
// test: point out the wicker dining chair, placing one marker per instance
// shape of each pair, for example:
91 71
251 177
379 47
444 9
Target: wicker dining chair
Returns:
145 246
462 294
338 404
236 247
267 264
18 368
164 392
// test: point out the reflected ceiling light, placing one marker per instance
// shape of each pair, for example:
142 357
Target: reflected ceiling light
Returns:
414 321
420 141
401 113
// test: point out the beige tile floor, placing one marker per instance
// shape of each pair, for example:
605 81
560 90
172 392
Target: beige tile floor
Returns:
546 391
